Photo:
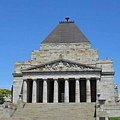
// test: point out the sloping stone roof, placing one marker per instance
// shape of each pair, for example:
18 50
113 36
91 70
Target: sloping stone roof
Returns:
66 32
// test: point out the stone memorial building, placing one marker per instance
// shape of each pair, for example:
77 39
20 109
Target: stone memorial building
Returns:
66 69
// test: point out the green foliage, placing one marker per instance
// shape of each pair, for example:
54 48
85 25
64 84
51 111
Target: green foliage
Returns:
115 118
1 100
3 93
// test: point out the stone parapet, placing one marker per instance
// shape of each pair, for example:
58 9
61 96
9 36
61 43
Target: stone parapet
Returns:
77 55
8 109
58 46
106 65
109 110
21 65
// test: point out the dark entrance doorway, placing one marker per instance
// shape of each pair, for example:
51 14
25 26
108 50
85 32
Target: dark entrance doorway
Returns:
93 90
29 91
71 90
83 90
40 91
102 118
61 86
50 86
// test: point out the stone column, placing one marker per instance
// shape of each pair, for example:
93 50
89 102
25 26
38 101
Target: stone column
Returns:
97 118
45 91
25 91
106 118
55 91
66 90
34 91
77 92
98 88
88 91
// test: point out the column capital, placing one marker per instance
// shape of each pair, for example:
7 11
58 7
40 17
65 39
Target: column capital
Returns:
34 79
77 78
88 78
24 79
98 79
66 79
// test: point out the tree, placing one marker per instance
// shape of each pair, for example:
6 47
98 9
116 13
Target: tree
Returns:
3 93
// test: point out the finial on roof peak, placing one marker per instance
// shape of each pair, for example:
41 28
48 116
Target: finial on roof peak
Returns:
67 18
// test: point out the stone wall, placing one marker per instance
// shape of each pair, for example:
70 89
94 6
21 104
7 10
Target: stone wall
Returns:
58 46
112 110
73 53
17 88
107 80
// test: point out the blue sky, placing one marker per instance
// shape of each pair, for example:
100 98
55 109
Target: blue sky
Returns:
25 23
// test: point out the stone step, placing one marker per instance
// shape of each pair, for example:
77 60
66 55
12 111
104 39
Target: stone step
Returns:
1 113
52 111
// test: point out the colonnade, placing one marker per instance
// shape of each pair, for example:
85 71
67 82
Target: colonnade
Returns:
69 90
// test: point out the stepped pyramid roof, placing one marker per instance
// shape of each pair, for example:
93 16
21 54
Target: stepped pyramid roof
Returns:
66 32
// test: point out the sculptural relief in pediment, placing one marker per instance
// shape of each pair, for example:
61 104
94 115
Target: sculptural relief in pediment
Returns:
61 66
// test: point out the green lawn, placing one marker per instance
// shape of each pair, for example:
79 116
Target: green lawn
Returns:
117 118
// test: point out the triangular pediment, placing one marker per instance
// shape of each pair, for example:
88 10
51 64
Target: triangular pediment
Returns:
61 65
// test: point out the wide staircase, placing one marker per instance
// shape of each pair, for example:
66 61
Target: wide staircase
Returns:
60 111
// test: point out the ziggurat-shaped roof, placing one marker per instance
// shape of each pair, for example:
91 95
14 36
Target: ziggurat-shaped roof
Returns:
66 32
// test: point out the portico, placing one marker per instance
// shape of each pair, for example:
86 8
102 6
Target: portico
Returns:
62 86
59 90
78 84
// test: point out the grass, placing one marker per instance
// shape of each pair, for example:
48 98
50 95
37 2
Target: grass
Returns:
115 118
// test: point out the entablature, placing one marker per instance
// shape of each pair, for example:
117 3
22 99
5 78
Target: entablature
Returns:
62 74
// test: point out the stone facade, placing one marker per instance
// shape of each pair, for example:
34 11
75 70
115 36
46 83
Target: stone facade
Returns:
76 53
64 71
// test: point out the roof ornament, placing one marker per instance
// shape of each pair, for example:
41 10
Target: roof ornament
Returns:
67 18
60 56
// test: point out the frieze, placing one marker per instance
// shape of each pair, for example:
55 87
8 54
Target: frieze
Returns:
61 66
